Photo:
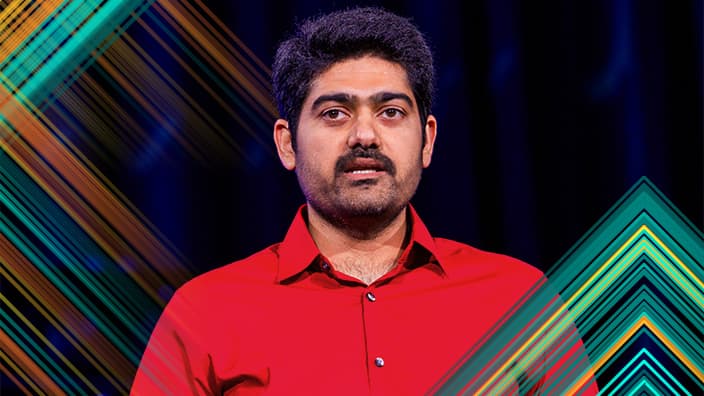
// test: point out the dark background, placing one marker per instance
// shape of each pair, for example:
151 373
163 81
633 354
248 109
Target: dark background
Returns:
548 113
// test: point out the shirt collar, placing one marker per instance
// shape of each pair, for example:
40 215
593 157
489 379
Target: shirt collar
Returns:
298 250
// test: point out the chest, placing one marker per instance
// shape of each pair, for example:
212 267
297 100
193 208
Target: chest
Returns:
391 339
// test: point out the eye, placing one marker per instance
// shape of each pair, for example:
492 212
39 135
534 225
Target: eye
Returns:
333 114
392 112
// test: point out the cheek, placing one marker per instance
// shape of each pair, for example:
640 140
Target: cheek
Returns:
315 160
320 145
409 155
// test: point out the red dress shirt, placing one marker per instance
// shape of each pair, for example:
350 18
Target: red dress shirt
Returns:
283 321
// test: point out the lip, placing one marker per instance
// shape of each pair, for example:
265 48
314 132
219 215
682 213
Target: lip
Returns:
367 174
364 164
363 168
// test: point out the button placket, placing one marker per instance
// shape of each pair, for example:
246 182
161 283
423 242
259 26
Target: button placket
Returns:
370 300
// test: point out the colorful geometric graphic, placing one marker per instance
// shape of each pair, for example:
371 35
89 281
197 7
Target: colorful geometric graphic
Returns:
633 287
84 274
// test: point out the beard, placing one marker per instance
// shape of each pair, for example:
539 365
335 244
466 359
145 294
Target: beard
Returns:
363 206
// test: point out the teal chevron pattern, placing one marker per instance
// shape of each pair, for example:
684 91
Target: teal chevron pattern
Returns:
640 283
633 288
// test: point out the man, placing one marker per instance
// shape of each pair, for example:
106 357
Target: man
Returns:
358 298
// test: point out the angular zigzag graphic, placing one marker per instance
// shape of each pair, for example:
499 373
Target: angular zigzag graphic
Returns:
641 283
633 287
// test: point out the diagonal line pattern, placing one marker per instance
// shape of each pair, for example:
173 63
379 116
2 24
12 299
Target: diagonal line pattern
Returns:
84 273
637 272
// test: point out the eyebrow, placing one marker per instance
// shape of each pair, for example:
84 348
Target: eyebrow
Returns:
383 97
377 98
335 97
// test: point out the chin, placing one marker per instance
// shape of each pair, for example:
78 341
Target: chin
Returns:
364 211
370 208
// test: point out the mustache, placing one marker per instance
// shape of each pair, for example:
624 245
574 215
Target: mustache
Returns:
345 161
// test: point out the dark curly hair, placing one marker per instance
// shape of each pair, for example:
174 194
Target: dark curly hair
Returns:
320 42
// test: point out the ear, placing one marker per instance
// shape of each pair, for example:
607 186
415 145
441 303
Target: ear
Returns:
431 130
284 147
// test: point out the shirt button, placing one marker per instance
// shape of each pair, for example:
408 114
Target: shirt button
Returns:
372 298
379 362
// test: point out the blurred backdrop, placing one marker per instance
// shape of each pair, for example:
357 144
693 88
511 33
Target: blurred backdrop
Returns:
547 114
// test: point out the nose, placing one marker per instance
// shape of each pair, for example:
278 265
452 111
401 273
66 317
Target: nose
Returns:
364 132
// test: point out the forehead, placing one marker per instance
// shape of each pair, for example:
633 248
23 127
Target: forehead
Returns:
361 77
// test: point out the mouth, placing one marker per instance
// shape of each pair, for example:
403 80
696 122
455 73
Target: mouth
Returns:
362 171
364 167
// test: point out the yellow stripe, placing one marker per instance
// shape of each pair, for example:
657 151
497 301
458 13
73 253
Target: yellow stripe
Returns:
64 195
203 38
6 371
623 247
679 262
16 27
642 321
578 308
674 349
11 12
14 356
44 296
667 266
48 344
98 193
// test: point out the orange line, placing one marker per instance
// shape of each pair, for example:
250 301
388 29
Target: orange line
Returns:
97 195
643 321
206 87
181 99
85 178
44 296
204 35
94 122
674 349
213 52
13 378
23 25
130 130
48 346
263 79
10 11
106 63
25 363
59 191
154 88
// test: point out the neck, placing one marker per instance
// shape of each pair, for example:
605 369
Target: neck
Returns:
365 255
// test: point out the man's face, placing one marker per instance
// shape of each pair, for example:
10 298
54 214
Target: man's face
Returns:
359 142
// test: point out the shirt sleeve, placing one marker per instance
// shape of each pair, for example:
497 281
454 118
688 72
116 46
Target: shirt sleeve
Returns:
564 366
175 361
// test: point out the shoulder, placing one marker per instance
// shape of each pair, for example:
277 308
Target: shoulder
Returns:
257 270
465 260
